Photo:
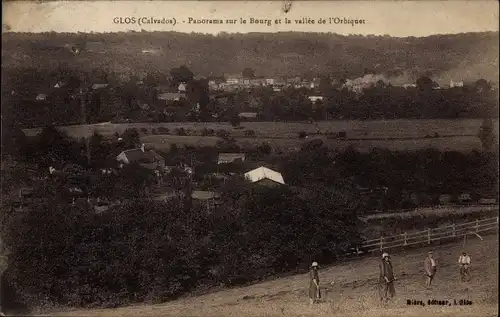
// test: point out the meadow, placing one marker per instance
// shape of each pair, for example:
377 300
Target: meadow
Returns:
458 135
353 291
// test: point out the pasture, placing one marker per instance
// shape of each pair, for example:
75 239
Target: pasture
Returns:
458 135
353 292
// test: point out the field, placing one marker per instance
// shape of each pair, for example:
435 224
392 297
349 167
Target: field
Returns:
353 292
392 134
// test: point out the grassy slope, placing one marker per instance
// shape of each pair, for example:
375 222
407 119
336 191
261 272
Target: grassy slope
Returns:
354 292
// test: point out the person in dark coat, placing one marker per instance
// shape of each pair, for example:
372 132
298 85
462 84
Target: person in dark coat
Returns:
430 268
386 279
314 290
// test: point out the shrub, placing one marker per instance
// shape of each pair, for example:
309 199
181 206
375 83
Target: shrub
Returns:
222 133
180 131
163 130
302 135
342 134
144 130
153 131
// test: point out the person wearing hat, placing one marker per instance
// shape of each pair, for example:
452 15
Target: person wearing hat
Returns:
386 280
464 262
314 290
430 268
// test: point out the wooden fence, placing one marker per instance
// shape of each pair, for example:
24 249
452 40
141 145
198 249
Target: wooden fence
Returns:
429 236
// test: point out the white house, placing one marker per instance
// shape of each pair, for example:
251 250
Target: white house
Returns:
264 175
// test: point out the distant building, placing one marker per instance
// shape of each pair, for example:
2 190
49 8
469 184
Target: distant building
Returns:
248 115
456 84
445 199
406 86
265 176
60 84
170 96
464 198
269 81
315 98
225 158
146 158
487 201
232 81
204 195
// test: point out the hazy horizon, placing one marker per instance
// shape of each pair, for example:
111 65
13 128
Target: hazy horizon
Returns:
392 18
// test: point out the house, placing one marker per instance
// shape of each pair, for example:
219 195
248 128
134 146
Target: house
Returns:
59 84
264 176
225 158
248 115
170 96
146 158
181 88
444 199
232 81
99 86
313 99
41 97
269 81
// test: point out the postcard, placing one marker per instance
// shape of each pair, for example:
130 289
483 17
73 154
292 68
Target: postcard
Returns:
249 158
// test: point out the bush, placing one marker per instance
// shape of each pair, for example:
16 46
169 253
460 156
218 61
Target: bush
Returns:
207 132
264 148
180 131
302 135
153 131
235 121
342 134
250 133
144 130
222 133
163 130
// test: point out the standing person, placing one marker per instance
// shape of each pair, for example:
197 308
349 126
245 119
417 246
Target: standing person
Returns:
314 291
464 262
386 280
430 268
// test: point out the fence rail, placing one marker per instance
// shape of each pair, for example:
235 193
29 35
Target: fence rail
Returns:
429 236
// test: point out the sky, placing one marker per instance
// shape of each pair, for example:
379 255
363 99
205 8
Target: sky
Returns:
394 18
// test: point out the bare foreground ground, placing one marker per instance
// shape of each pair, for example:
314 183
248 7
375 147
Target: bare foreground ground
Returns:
354 292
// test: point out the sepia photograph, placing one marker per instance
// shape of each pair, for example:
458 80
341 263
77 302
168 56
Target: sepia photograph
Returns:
249 158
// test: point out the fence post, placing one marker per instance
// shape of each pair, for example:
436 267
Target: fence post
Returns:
381 243
429 236
405 235
477 225
453 230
